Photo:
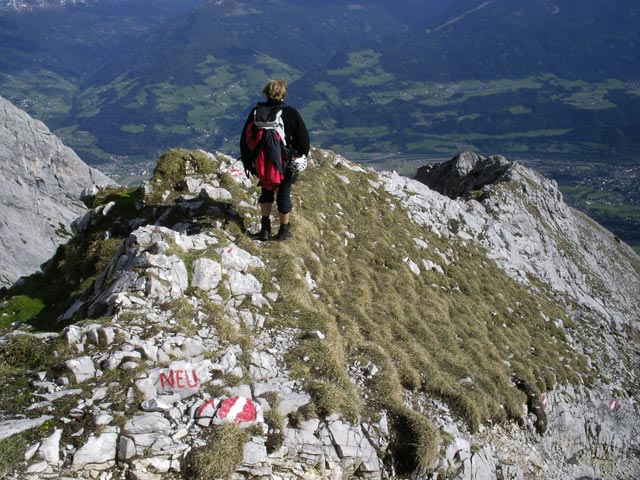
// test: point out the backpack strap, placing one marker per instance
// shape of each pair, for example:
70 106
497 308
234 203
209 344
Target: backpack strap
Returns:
258 146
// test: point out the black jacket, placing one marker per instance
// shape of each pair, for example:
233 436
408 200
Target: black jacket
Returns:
295 130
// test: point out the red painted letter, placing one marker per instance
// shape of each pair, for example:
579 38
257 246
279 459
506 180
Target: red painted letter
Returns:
195 380
164 381
180 379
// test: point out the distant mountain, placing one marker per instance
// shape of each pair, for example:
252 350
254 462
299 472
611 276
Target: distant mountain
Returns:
210 64
500 75
47 50
36 5
125 80
41 183
489 39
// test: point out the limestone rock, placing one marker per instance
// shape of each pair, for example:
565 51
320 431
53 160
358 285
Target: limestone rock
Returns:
355 452
216 194
126 448
236 259
255 461
49 449
81 368
98 450
304 447
523 222
147 423
263 366
207 274
40 179
188 341
241 284
9 428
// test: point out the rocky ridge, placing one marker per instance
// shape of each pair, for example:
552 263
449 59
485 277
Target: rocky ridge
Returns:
192 326
42 182
527 228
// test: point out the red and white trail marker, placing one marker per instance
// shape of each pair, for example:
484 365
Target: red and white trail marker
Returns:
614 405
544 400
237 409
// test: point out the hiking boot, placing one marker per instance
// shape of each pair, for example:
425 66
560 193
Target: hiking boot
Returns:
265 229
284 232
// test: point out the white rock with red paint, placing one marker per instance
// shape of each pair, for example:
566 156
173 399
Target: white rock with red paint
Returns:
234 258
236 409
172 380
206 412
183 378
613 405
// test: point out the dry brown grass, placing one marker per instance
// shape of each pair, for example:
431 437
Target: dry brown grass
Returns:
425 332
219 458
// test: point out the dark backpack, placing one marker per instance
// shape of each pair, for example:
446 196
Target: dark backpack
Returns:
269 153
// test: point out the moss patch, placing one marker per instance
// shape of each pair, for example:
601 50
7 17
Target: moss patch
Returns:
172 167
20 309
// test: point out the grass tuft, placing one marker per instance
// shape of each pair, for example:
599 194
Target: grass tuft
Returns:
415 443
27 351
11 455
219 458
174 166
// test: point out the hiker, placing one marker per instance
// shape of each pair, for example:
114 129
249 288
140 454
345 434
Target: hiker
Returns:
295 148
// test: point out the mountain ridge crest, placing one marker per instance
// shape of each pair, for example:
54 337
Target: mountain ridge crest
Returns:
457 320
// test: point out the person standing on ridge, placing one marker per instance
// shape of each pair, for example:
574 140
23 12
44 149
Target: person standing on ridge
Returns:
295 147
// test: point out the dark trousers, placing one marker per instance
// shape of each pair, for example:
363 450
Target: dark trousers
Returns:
282 196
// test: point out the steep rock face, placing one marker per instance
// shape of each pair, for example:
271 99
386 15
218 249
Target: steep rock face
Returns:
41 182
463 174
201 327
